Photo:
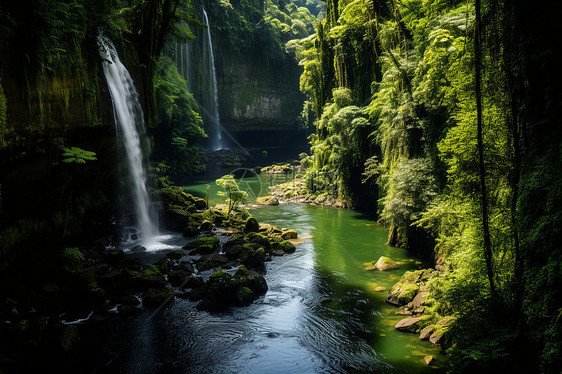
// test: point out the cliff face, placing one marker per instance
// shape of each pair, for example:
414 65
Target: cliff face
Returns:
44 203
257 96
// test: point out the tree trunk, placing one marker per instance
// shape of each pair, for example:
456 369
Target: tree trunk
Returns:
485 226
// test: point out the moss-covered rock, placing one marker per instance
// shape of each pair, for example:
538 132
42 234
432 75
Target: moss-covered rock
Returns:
408 287
191 230
286 246
176 219
200 204
413 324
206 225
385 263
251 225
267 200
206 244
154 297
224 290
289 234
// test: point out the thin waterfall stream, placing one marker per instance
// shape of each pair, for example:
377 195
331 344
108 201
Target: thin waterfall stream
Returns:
214 110
129 122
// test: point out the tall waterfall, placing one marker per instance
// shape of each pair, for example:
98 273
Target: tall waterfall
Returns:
183 59
130 129
214 110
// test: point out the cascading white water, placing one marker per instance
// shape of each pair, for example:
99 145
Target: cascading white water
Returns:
183 58
129 121
215 116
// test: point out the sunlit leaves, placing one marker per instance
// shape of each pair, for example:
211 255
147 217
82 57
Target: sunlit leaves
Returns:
77 155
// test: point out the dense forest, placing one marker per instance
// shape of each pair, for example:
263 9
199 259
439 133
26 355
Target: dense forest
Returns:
440 118
450 110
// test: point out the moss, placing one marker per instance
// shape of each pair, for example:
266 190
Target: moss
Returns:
151 270
244 295
211 242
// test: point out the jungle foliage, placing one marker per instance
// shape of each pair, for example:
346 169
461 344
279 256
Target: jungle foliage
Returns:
450 109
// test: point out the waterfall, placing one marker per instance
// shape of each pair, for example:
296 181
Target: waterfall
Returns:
214 110
129 122
183 59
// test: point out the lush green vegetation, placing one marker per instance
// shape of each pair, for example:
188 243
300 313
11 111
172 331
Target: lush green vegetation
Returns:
179 127
456 126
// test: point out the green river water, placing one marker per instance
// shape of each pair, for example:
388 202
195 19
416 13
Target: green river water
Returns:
321 313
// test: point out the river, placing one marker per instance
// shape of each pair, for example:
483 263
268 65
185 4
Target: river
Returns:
320 314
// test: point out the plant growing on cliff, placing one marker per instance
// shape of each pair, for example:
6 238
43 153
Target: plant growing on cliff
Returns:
234 195
77 155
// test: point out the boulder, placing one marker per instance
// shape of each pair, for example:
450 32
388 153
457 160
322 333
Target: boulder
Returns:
408 287
418 310
420 298
385 263
127 310
130 300
115 281
210 261
260 240
193 282
165 265
191 230
289 234
233 252
154 297
446 321
176 219
175 255
286 246
436 336
251 225
429 359
267 200
252 258
206 225
145 281
200 203
224 290
410 324
426 332
203 245
178 277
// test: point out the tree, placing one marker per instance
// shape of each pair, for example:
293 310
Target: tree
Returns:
484 197
234 195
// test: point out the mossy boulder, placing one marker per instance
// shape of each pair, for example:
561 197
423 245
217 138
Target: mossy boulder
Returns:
175 255
200 204
408 287
286 246
206 244
224 290
260 240
413 324
153 297
252 257
176 219
178 277
289 234
251 225
191 230
386 263
210 261
267 200
206 225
